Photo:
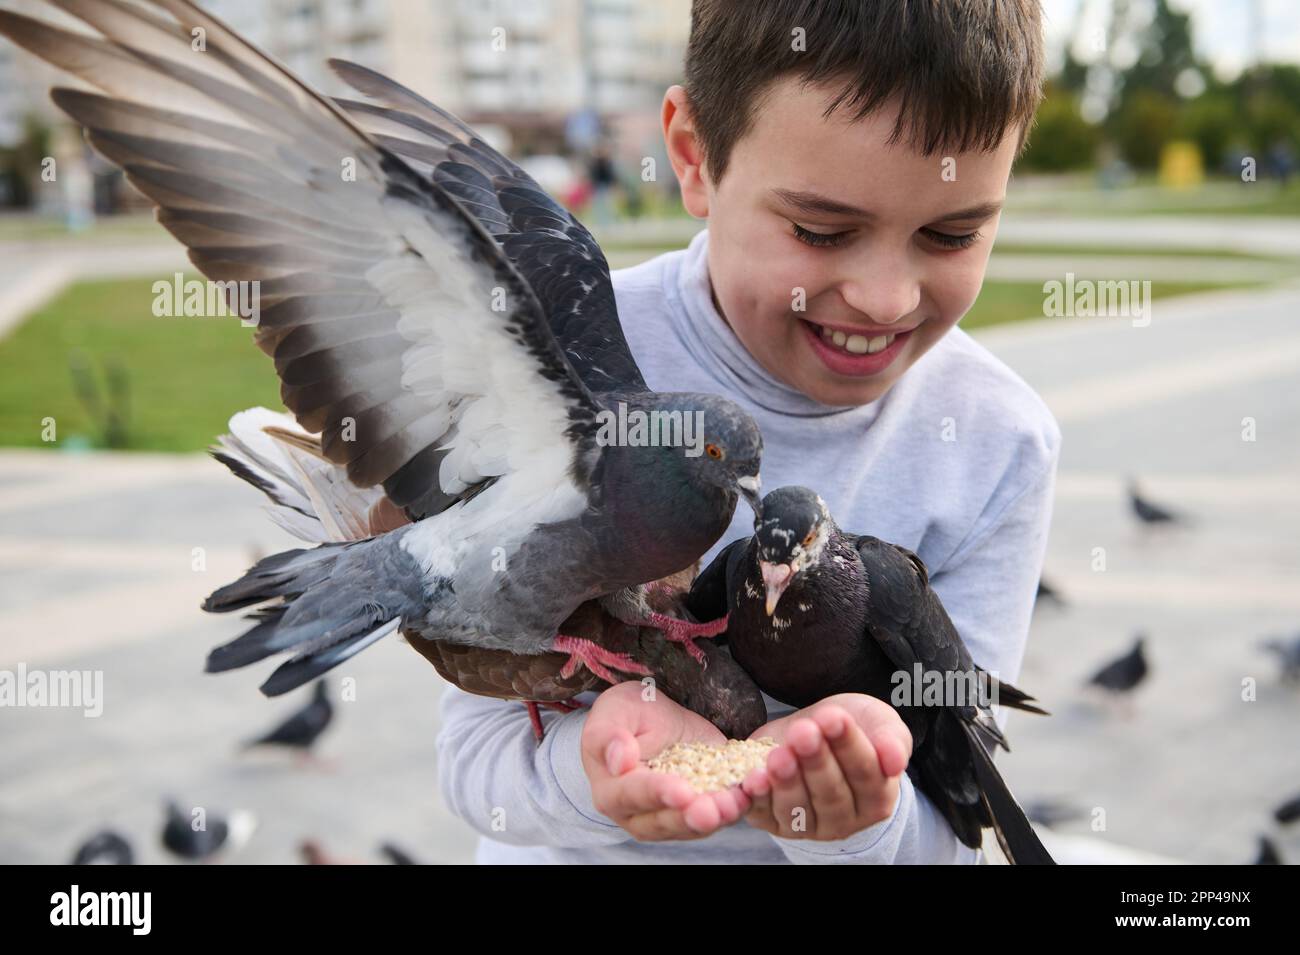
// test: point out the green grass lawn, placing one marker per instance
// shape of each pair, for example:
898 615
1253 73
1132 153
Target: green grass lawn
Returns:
1080 195
1135 252
1015 301
188 375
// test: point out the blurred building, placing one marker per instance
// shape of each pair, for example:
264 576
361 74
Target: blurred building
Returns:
526 66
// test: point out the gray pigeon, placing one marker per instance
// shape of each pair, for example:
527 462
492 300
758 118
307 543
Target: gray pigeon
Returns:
301 730
447 328
217 837
1125 673
313 500
105 848
1287 650
1147 511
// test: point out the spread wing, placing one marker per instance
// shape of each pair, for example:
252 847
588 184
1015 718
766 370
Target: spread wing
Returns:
552 250
399 328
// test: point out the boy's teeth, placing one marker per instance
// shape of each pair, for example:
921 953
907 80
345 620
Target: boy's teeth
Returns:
856 344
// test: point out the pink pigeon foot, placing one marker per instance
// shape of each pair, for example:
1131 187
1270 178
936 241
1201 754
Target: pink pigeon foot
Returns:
595 658
686 632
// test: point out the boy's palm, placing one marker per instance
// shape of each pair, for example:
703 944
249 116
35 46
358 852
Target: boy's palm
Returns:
625 728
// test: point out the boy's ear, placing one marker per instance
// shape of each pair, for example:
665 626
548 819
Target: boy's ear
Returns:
684 152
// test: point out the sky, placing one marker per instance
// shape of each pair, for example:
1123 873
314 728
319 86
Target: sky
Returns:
1221 29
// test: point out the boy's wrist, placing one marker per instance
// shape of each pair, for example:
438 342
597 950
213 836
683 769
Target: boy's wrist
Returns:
563 741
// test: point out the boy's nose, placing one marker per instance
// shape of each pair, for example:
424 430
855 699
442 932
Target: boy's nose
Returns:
883 291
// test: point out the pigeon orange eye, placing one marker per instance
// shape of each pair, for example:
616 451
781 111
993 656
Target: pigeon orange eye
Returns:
713 451
808 541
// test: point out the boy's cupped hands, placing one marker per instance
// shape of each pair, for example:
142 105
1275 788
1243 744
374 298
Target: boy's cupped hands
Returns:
834 772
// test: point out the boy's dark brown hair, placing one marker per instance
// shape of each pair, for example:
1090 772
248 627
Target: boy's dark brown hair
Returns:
964 71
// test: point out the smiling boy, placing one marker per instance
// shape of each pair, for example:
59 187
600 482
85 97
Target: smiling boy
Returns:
851 159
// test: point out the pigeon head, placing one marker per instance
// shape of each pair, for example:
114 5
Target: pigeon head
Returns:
791 532
722 446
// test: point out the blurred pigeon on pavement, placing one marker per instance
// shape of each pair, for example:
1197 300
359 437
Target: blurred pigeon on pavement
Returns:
1268 854
105 848
301 730
1287 650
447 328
1148 512
1289 811
218 839
1052 812
1046 592
396 855
1125 673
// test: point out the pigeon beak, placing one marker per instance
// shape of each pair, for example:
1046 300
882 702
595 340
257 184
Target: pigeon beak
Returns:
776 577
749 485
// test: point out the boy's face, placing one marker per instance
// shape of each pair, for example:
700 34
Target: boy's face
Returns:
907 251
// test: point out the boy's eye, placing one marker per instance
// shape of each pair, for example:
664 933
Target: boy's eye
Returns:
819 239
951 241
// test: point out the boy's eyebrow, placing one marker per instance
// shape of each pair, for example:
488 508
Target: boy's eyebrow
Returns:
982 211
816 204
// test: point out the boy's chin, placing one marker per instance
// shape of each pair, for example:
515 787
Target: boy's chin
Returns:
828 389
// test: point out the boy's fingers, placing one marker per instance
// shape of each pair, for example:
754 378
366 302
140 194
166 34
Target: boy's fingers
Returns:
642 791
832 799
757 784
791 805
856 758
702 816
758 789
731 803
889 736
621 753
893 748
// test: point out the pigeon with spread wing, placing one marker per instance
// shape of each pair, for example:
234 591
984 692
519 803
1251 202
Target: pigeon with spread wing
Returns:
446 328
312 499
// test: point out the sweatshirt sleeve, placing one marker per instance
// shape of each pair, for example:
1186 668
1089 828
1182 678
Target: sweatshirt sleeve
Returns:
496 777
988 588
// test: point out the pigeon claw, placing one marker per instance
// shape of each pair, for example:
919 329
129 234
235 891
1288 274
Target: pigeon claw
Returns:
686 632
535 714
595 658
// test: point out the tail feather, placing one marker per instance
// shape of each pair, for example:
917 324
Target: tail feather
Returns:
324 604
1014 833
308 665
333 604
1008 695
287 574
252 646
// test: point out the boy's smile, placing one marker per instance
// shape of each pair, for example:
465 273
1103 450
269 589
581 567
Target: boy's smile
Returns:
837 258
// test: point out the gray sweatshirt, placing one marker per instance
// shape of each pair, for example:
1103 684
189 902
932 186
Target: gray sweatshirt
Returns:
956 461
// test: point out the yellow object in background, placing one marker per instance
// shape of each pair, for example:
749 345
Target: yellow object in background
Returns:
1180 165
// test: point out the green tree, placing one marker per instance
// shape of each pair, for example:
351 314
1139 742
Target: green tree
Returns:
1061 139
